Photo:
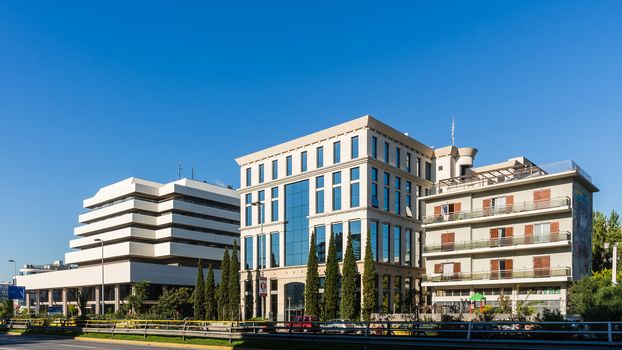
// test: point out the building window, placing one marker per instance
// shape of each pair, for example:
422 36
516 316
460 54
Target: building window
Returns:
418 167
261 251
398 195
297 223
387 179
261 174
275 257
320 243
385 242
354 229
386 152
374 147
337 230
398 157
374 187
373 236
262 211
288 164
248 253
336 152
428 171
418 208
408 161
249 179
397 244
354 147
249 209
409 199
275 203
319 157
354 188
303 161
319 194
275 169
408 248
337 191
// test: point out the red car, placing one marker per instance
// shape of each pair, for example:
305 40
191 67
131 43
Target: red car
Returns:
304 324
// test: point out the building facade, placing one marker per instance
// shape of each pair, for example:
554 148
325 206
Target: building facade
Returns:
510 230
145 231
358 177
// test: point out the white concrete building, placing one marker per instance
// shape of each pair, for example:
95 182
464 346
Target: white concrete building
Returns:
150 231
514 229
357 177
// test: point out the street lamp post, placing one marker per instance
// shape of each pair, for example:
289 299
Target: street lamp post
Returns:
289 309
260 209
14 271
102 291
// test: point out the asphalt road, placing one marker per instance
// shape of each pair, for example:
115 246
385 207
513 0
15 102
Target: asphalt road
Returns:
14 342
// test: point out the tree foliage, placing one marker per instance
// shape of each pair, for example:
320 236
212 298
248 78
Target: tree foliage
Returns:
349 306
312 285
7 309
174 303
137 297
82 300
210 295
369 282
234 285
595 298
223 288
331 287
606 229
199 293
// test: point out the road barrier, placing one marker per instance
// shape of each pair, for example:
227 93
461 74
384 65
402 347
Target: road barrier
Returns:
450 334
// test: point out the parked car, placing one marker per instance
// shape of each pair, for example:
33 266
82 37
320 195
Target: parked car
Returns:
339 325
257 327
306 323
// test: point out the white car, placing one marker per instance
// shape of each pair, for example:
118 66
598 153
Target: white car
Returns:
338 326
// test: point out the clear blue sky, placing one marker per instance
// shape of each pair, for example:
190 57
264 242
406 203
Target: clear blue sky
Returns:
94 92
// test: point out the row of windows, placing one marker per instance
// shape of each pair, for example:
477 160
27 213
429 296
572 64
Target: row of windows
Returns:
390 240
406 165
319 159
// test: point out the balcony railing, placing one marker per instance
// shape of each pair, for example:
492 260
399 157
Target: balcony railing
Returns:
496 243
492 211
543 272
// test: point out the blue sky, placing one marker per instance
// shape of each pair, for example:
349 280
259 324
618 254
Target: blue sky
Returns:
94 92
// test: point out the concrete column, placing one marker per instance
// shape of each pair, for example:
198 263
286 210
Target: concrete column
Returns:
28 300
64 298
117 298
514 298
50 294
563 303
37 301
98 297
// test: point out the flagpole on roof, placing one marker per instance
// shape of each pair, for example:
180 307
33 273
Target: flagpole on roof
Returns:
453 129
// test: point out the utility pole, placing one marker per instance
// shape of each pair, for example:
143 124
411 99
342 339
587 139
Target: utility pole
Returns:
614 269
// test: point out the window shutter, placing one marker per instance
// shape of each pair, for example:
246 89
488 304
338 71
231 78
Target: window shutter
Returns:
487 203
545 261
457 207
509 200
437 210
555 227
509 265
542 195
494 265
528 230
509 231
451 237
438 268
494 233
537 262
456 267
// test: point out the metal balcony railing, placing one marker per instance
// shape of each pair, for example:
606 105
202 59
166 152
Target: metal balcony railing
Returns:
496 243
500 274
507 209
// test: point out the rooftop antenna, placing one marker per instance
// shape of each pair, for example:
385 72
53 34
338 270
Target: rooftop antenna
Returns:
179 170
453 129
192 176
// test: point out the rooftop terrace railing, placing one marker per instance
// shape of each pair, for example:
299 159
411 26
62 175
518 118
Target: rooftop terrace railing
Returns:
492 211
500 274
500 242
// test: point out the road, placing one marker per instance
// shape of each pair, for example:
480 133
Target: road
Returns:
34 342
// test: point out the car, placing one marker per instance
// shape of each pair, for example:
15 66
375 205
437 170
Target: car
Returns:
257 327
306 323
339 325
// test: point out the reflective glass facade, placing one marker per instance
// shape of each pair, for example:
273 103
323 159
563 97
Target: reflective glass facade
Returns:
408 248
249 209
248 253
288 165
319 194
249 177
374 147
354 147
373 237
319 157
336 152
320 243
261 173
261 251
397 246
275 169
385 242
275 254
337 230
303 161
274 192
354 228
297 223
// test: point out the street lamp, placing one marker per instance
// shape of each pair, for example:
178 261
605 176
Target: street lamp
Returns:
14 271
260 209
102 291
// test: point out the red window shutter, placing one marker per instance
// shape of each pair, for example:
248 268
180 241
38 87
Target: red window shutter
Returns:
457 207
437 210
509 200
509 265
494 265
438 268
487 203
537 262
542 195
456 267
451 237
494 233
528 230
509 231
555 227
545 261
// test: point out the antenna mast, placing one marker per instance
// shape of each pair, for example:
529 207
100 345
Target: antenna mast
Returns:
179 171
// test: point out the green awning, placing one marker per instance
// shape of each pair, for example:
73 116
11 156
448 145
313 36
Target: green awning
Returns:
477 297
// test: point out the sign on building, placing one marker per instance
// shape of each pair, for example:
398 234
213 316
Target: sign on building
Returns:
12 292
263 287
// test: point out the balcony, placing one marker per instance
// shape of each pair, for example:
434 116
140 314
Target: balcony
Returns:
503 210
496 243
543 272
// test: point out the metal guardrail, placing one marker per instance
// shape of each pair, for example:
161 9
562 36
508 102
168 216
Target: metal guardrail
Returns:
493 211
496 243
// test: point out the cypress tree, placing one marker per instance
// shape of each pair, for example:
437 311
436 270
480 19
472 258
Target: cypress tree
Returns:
312 286
210 297
234 285
331 287
349 309
199 294
369 282
223 288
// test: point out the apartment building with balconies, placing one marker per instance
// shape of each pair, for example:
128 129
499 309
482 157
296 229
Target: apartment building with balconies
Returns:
357 177
143 231
513 229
